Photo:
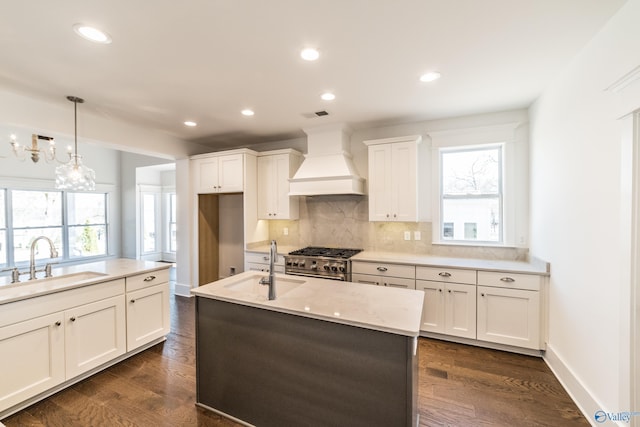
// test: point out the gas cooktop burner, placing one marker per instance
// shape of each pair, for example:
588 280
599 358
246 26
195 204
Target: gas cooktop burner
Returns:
317 251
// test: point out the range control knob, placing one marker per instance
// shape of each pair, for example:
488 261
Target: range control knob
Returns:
341 268
301 263
334 268
314 266
295 263
326 267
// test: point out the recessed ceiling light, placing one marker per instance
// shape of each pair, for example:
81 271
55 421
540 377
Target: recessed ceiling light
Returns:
247 112
190 123
92 34
309 54
430 76
328 96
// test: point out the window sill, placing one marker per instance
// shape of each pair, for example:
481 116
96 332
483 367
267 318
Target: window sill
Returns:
477 245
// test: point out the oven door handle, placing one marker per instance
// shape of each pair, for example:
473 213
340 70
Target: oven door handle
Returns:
316 276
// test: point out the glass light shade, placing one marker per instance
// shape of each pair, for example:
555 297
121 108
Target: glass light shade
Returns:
75 176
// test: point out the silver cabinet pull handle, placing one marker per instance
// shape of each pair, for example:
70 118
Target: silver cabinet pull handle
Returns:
266 258
58 323
449 291
482 294
149 278
382 268
507 279
133 301
444 274
73 319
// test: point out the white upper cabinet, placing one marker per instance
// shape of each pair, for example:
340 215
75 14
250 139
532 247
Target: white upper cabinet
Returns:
219 174
394 179
274 170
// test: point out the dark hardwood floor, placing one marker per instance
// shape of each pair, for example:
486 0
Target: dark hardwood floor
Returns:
458 386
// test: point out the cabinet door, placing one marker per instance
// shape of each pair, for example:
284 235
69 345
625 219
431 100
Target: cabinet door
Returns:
266 188
380 177
286 207
32 355
207 175
147 315
509 316
433 308
460 310
94 334
231 173
404 193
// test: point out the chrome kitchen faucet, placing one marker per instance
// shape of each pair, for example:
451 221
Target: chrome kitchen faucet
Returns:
271 280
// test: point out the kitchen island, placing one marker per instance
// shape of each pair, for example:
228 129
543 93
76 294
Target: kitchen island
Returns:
322 353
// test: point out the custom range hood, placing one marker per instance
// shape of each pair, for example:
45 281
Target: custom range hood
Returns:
327 168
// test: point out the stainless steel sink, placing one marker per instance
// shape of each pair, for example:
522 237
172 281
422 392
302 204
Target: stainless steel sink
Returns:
251 285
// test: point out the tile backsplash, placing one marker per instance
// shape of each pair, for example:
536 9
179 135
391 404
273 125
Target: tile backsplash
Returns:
343 221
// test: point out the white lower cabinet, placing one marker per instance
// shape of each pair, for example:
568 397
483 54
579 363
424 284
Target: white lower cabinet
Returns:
48 340
449 308
94 334
509 316
32 358
259 261
147 315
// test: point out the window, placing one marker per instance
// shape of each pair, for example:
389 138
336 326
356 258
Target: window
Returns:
172 222
3 229
87 218
76 223
471 194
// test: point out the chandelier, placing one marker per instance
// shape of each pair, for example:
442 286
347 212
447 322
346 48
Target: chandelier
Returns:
35 152
74 175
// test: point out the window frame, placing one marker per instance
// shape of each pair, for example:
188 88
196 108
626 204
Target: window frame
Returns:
515 169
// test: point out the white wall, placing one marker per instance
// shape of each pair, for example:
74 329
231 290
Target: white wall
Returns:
576 204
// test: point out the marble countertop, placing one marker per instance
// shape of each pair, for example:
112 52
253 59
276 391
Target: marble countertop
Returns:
533 267
392 310
108 270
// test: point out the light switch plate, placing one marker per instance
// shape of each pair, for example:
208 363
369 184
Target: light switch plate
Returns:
285 231
417 235
407 235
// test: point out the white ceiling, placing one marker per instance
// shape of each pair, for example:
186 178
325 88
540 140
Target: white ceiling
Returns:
205 60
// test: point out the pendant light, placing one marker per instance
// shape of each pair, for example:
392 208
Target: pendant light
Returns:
74 175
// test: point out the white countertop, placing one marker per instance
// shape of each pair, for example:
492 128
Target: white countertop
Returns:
109 269
393 310
535 267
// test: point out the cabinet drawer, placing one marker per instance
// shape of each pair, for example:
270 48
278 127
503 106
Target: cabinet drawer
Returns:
383 269
262 258
144 280
264 267
498 279
446 274
391 282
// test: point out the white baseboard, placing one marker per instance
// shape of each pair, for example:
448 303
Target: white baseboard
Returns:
182 290
580 394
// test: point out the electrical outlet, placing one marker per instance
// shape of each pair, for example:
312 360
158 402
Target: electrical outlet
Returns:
417 235
232 271
285 231
407 235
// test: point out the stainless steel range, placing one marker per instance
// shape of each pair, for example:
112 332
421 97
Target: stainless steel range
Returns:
313 261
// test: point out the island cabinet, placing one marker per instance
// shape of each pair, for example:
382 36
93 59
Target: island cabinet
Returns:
509 309
394 180
274 170
77 331
147 308
219 173
269 368
449 300
384 274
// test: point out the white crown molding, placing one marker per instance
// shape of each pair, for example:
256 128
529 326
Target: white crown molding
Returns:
625 80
